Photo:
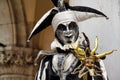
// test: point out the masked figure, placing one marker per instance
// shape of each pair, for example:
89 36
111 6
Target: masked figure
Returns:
60 62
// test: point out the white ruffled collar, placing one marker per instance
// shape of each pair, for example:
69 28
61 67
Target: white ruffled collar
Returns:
55 44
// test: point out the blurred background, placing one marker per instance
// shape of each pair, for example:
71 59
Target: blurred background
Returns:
17 19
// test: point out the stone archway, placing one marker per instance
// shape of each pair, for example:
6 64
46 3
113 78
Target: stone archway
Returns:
16 58
17 18
7 31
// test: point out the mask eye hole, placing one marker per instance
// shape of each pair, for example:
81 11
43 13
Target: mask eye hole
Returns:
61 27
72 26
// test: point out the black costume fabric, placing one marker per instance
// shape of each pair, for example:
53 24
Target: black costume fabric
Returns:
47 72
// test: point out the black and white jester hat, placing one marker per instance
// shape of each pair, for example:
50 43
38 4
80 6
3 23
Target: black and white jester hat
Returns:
63 12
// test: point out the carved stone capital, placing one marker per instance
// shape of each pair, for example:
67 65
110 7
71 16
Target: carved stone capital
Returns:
17 63
17 56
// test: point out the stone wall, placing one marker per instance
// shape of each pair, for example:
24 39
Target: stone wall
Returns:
16 55
7 28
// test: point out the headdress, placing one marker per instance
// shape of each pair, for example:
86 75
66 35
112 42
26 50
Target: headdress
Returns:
63 12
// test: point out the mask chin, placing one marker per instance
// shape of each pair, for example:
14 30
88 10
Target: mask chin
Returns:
62 40
68 40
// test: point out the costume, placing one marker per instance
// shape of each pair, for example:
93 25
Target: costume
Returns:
63 63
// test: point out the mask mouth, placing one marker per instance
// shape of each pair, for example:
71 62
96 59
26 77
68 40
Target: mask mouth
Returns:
69 41
68 37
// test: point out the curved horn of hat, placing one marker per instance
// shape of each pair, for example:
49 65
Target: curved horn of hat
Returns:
61 6
79 8
85 9
55 2
44 22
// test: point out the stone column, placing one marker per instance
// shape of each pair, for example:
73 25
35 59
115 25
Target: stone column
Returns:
7 26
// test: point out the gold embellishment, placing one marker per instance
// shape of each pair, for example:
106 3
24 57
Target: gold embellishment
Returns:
88 59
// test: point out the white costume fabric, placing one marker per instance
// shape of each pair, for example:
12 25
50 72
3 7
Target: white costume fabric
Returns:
55 44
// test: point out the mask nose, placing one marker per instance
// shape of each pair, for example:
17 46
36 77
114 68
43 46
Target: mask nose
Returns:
68 33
